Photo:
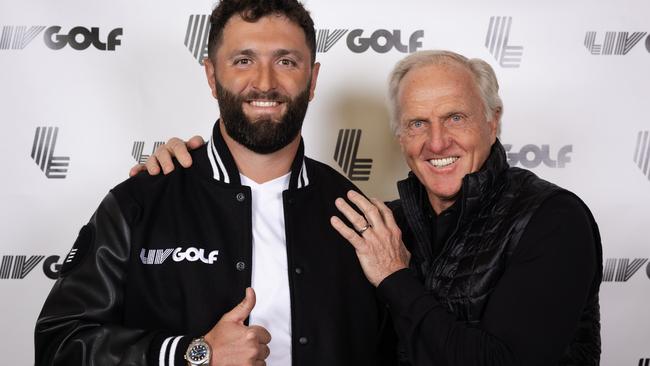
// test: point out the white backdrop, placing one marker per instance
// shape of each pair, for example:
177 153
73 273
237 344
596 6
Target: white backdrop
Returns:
580 99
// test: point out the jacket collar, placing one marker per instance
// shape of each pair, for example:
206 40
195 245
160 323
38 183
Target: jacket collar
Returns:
474 185
474 189
225 170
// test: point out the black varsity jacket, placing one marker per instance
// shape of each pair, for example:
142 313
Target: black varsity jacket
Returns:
164 257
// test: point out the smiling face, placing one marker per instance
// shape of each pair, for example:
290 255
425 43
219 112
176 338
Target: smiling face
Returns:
443 131
263 78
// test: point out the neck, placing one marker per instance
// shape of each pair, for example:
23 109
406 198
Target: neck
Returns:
261 168
440 204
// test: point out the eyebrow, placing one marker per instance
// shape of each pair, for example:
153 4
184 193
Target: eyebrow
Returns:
284 52
277 53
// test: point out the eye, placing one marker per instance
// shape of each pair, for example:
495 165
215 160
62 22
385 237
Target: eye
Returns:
287 62
415 124
243 61
456 118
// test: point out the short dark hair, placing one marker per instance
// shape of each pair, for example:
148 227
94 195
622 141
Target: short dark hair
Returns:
252 11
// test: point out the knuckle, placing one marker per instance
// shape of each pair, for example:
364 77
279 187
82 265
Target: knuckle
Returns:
373 209
360 221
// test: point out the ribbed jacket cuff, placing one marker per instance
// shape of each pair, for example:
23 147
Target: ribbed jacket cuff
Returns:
400 290
166 350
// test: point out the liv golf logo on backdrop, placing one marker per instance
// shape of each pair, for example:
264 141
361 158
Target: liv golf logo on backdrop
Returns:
614 43
17 267
196 36
358 40
345 155
138 147
43 153
531 156
496 41
622 269
79 38
642 152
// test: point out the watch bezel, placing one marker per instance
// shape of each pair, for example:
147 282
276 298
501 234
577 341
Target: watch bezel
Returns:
198 342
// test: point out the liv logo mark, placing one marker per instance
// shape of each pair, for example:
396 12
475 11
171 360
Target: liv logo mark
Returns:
642 152
614 43
138 147
19 266
43 153
622 269
196 36
496 41
18 37
326 38
345 154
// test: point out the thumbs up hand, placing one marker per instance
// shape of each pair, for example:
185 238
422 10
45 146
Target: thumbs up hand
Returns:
235 344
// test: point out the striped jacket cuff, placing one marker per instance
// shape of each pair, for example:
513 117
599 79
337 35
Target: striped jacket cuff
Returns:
166 350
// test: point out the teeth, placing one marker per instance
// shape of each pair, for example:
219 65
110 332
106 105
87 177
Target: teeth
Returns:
259 103
439 163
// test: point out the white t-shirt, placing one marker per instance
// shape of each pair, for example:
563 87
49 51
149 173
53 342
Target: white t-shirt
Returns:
270 275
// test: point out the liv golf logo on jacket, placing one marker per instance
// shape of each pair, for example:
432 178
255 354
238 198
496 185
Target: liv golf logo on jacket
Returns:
642 153
43 153
614 43
496 41
345 154
55 38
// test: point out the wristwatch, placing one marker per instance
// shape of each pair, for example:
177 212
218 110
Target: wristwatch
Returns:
198 353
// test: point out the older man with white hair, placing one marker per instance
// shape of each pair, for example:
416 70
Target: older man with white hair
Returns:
504 267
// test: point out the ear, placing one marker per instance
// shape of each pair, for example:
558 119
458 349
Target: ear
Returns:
314 78
210 74
494 124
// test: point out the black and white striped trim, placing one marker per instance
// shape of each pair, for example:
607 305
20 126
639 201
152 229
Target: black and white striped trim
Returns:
218 168
303 179
220 173
168 351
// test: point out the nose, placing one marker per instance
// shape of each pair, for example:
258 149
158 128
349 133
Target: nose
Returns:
265 79
439 138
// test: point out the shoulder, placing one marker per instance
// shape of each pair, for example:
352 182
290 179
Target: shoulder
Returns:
135 193
328 178
562 224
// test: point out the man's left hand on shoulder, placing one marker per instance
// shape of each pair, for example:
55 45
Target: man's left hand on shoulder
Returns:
375 236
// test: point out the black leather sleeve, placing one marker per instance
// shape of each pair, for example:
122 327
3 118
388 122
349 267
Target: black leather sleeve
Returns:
80 323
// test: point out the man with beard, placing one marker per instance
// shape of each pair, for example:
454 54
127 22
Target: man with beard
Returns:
156 276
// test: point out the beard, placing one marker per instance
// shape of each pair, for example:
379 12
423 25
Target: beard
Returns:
263 135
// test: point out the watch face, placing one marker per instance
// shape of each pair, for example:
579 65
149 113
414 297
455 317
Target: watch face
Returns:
198 353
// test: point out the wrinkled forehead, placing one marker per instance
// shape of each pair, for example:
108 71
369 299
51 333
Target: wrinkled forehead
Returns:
447 78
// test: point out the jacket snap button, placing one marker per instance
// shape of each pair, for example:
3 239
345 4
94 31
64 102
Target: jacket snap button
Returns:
298 270
240 266
240 197
303 340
